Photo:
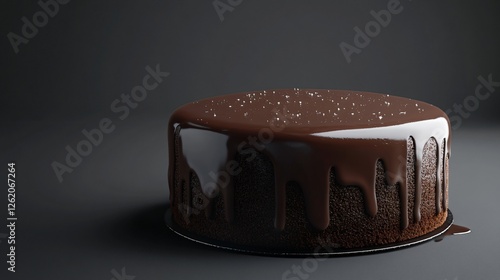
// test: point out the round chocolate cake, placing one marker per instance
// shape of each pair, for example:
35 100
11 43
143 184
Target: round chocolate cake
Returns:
294 169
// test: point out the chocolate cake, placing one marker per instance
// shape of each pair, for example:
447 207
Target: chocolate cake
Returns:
294 169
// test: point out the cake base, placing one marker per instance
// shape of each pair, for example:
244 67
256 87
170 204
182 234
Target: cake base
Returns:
315 252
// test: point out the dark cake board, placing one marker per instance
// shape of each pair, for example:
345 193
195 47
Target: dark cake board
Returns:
294 253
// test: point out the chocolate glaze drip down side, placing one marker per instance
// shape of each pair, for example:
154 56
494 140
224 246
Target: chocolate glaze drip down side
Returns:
305 133
453 230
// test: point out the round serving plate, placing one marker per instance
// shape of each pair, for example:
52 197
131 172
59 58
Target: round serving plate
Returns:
294 253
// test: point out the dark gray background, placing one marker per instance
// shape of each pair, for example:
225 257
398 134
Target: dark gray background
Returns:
107 213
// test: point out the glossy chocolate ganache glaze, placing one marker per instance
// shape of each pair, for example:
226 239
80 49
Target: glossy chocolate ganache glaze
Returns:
334 149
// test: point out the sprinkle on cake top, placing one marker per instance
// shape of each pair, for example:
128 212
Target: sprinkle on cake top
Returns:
314 110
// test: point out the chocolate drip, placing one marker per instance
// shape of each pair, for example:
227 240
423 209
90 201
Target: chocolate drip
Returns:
295 161
228 191
439 135
314 136
419 150
446 178
440 165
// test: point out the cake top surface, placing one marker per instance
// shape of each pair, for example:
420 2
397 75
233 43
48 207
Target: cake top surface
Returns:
305 110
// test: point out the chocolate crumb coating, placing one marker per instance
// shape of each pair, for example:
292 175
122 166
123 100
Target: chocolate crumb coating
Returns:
342 169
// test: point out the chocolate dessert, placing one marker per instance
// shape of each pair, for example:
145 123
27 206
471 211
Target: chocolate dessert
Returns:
294 169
